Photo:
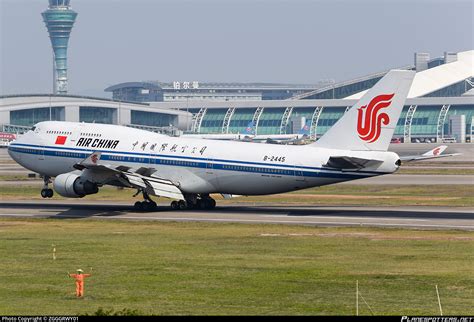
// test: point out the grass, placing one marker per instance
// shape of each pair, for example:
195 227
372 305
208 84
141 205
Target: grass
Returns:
376 195
198 268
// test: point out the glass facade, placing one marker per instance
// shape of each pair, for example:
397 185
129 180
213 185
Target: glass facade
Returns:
270 121
456 89
425 120
32 116
436 62
467 110
59 3
138 94
345 90
328 118
152 119
241 119
97 115
213 120
400 128
298 112
157 91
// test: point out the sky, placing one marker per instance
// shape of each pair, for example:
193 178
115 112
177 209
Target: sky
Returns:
293 41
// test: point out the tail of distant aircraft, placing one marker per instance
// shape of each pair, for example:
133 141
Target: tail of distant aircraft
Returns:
370 123
306 128
250 129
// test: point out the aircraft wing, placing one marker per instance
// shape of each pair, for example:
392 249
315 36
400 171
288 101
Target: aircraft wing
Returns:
141 178
431 154
346 163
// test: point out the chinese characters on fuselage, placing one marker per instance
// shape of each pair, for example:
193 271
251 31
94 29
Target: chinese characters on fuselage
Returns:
165 147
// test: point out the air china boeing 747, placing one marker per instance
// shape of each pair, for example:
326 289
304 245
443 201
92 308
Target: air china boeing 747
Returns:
83 157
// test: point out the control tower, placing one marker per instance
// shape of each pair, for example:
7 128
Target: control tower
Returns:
59 19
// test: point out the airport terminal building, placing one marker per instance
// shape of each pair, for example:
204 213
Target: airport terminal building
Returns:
440 105
154 91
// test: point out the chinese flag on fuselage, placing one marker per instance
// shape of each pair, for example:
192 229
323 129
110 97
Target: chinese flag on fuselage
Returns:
61 140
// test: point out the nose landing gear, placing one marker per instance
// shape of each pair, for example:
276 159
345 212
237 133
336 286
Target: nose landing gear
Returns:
46 192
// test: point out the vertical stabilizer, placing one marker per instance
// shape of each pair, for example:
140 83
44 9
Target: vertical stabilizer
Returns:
370 123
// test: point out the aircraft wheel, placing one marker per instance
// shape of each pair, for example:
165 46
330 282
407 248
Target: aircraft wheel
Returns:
149 206
201 204
47 193
208 203
211 203
174 205
138 206
182 205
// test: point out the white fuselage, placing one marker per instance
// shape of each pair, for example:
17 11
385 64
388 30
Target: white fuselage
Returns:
194 165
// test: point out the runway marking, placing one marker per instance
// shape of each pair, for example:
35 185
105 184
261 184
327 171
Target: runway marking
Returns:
297 222
342 217
186 219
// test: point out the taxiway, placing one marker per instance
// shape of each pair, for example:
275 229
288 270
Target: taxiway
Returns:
401 217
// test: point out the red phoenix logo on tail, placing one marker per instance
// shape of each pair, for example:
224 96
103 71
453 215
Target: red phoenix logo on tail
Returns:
370 118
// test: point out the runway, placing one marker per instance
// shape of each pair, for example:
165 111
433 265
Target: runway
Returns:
402 217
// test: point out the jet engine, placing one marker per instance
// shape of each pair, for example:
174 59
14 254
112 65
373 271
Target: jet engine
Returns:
71 185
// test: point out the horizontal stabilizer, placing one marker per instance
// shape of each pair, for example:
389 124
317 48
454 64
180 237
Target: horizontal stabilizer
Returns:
346 163
431 154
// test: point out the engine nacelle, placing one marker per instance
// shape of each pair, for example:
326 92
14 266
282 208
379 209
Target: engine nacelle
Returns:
71 185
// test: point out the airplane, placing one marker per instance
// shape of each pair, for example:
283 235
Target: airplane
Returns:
248 135
83 157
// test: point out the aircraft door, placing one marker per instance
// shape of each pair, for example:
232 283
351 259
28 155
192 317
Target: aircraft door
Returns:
210 172
300 178
209 166
43 145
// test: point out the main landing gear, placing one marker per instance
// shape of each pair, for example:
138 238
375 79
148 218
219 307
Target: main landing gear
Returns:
46 192
145 205
194 202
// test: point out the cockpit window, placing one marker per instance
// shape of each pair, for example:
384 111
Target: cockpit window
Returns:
33 128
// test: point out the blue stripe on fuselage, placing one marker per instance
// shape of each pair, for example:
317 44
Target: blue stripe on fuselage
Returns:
193 162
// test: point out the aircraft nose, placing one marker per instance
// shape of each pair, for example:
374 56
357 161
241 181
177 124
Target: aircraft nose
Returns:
12 151
17 147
